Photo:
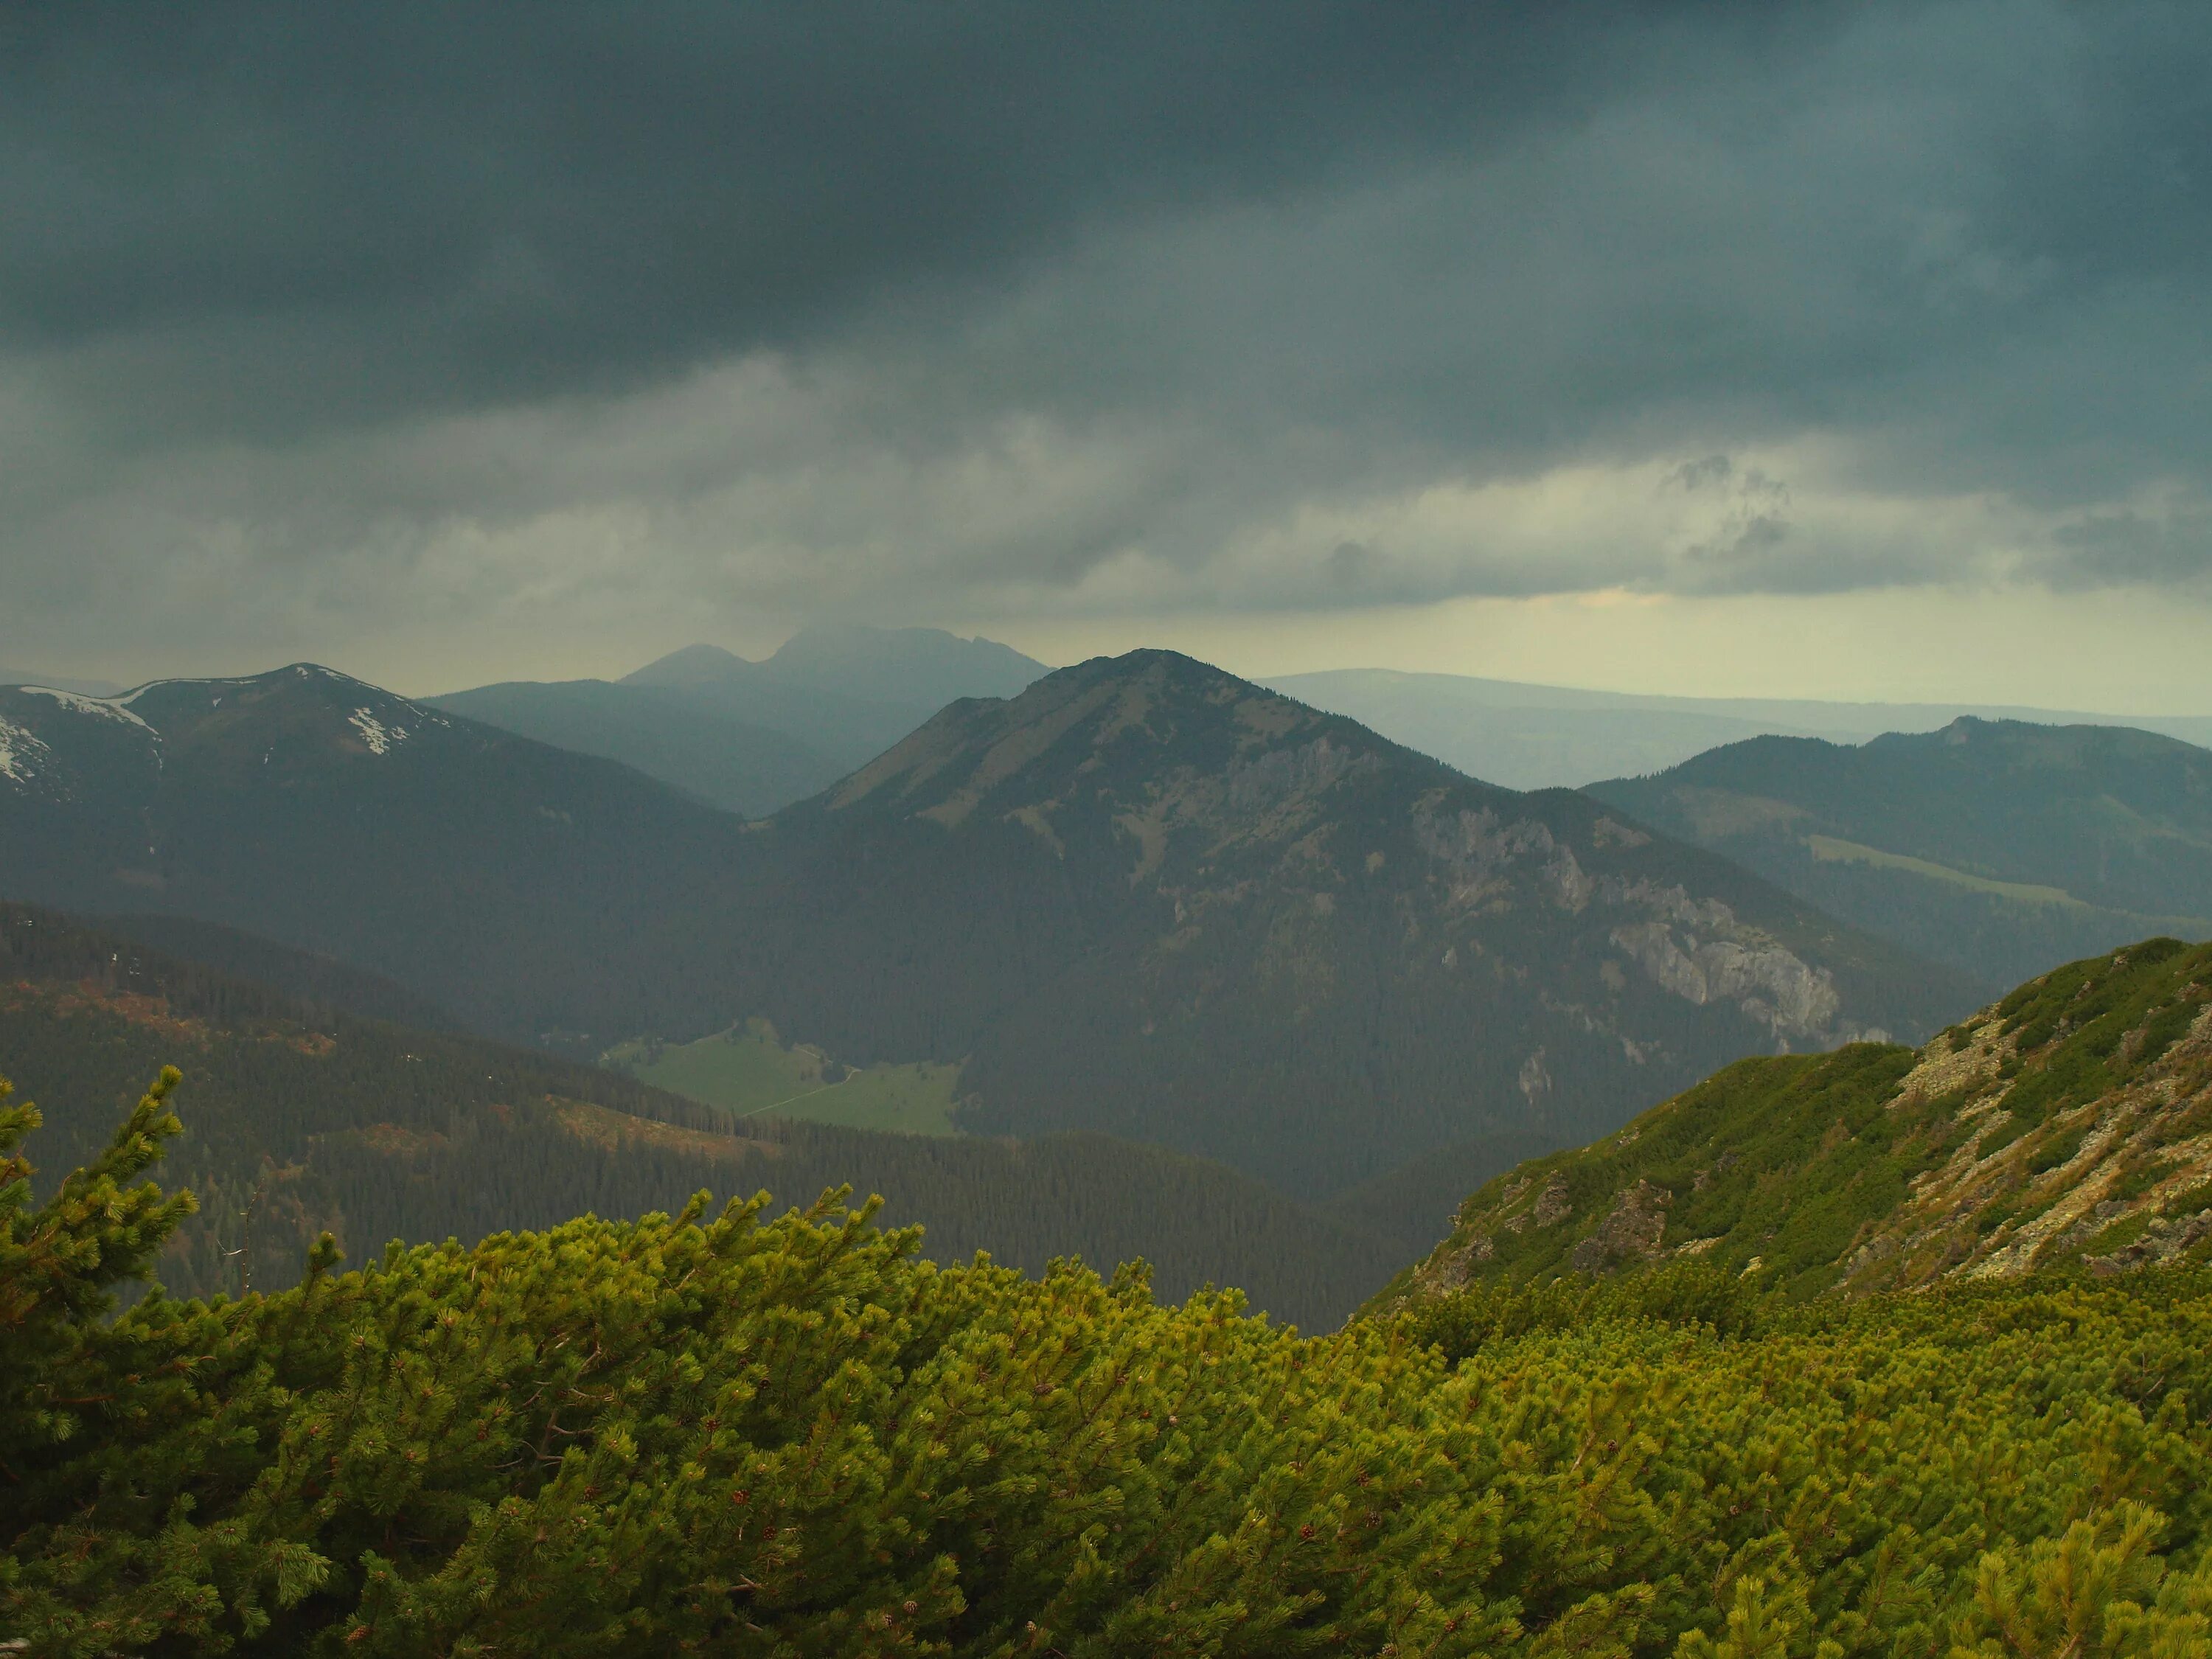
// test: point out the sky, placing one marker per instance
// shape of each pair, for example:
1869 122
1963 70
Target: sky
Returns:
1860 351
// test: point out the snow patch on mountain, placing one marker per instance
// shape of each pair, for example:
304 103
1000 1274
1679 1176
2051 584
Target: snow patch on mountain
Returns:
374 732
131 696
17 746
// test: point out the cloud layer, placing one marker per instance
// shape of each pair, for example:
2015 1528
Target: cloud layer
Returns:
320 321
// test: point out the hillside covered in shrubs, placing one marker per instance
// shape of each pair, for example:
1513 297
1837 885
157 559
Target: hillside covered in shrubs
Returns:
707 1433
2069 1124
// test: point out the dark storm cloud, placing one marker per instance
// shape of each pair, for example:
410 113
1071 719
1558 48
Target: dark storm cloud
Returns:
319 318
318 211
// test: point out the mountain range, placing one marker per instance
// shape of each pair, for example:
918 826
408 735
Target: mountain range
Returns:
2068 1124
1996 847
1541 736
751 737
1143 897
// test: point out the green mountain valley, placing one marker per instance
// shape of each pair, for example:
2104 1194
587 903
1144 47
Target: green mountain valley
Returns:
747 1071
304 1118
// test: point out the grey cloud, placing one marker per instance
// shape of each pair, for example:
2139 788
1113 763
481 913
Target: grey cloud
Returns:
345 315
307 213
2171 548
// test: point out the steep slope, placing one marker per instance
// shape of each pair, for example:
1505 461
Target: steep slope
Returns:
1149 898
300 1118
1537 736
1996 847
752 737
2070 1123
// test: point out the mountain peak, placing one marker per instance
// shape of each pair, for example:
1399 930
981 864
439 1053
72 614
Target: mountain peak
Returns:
1147 728
909 666
1144 871
926 667
64 743
693 665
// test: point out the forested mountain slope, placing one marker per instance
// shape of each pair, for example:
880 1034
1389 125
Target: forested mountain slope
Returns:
1148 897
750 737
1997 846
1143 897
302 1118
2070 1123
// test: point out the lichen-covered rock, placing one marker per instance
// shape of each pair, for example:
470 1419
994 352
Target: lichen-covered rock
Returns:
1447 1270
2163 1238
1552 1203
1632 1233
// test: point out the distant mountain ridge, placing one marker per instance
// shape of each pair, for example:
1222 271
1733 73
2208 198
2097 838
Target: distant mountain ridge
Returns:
82 687
1143 897
2069 1124
1538 736
752 737
1996 847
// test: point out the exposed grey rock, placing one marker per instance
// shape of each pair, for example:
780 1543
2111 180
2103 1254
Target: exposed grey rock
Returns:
1552 1204
2164 1238
1632 1233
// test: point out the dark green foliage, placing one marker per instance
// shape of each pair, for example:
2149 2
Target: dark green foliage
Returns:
61 1260
321 985
1490 1312
2115 824
794 1439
